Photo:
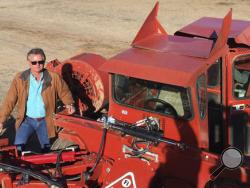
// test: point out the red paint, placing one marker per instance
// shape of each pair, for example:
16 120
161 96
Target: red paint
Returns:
169 61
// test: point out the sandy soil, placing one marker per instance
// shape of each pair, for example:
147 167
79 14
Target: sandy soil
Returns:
65 28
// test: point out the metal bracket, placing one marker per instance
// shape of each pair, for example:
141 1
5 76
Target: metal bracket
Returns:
146 157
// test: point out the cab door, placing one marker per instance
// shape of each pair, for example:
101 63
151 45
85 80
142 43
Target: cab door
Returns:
238 90
215 107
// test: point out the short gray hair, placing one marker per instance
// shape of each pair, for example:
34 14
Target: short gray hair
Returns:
36 51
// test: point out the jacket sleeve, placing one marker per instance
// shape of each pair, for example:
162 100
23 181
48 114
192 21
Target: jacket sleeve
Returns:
9 101
63 91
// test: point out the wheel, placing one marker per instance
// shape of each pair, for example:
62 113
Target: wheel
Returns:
163 106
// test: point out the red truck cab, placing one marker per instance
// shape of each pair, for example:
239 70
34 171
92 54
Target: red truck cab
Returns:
196 84
228 85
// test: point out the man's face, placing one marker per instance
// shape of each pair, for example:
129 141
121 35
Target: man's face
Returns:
36 63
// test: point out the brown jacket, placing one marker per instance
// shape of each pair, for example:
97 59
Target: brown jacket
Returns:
53 86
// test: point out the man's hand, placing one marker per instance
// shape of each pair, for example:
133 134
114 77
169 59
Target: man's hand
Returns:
70 109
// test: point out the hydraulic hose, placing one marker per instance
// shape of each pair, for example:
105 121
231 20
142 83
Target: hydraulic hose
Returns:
88 173
36 175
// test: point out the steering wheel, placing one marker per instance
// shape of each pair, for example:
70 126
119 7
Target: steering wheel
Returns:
164 108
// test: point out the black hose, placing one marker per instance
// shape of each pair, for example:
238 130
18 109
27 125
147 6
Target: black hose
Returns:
36 175
58 164
59 170
88 173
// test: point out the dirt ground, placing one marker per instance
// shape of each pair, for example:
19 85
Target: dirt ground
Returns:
65 28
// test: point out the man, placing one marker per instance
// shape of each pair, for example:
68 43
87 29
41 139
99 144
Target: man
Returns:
35 91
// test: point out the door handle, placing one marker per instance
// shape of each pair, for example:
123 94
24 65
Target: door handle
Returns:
238 107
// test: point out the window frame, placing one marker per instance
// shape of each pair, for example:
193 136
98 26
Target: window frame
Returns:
233 74
188 93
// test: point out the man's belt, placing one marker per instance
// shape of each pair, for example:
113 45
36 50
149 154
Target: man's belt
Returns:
36 119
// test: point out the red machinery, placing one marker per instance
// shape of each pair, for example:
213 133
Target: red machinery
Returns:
156 115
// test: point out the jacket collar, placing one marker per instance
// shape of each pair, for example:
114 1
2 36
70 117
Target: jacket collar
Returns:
25 75
46 76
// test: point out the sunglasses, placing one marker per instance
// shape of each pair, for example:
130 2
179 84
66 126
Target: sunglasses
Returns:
39 62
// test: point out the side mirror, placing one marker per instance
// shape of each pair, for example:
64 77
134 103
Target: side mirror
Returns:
231 158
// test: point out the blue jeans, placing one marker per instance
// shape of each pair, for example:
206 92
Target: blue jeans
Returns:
27 128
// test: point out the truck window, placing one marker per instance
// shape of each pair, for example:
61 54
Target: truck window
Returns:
202 96
214 74
241 77
152 96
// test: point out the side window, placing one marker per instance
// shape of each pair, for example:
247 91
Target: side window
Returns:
241 77
214 74
202 95
171 100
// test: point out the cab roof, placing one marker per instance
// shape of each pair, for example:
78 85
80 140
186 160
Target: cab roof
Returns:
165 67
209 28
160 57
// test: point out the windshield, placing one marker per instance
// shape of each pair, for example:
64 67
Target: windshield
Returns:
152 96
241 75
